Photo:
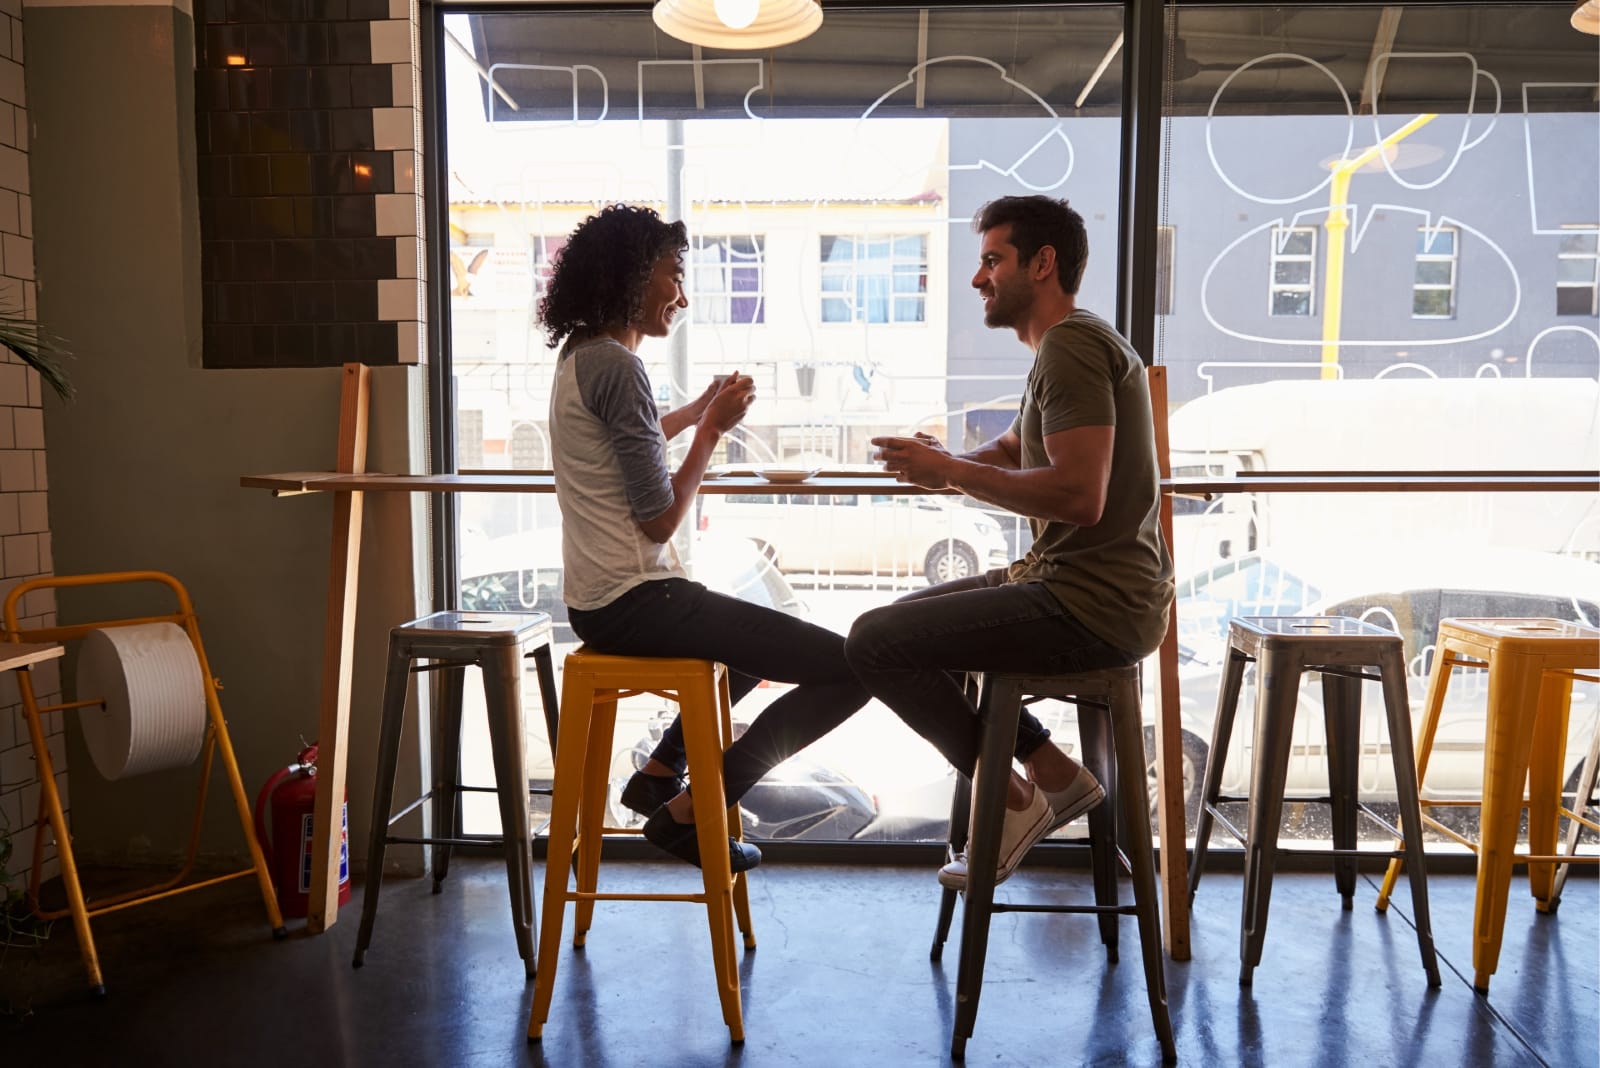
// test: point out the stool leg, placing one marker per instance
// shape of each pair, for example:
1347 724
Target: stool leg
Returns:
1095 733
1398 709
1341 714
571 746
999 710
1128 731
397 677
960 815
1508 739
1545 780
1580 807
703 743
592 808
1433 703
447 771
502 684
545 669
1277 693
741 888
1221 732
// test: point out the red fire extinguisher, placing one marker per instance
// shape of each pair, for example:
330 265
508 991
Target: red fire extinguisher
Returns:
291 795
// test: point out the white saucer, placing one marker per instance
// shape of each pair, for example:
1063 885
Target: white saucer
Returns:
787 474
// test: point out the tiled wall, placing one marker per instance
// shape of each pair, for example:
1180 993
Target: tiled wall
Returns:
24 522
308 132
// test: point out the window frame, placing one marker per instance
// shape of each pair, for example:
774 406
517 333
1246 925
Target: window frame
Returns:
701 300
1427 252
1279 237
1580 230
850 295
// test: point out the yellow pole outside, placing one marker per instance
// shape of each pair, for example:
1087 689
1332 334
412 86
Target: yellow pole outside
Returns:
1336 224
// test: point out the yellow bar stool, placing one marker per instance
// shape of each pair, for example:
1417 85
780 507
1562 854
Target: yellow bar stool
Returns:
1531 665
592 684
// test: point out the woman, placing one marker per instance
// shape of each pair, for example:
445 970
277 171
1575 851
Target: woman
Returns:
618 280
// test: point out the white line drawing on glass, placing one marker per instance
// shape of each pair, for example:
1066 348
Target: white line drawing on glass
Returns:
577 120
1428 221
1204 369
1466 127
1349 136
1563 328
699 81
1527 142
1427 372
1055 133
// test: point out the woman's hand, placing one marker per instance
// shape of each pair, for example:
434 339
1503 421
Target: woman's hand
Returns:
726 405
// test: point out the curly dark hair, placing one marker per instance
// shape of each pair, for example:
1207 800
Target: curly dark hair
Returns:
599 277
1038 221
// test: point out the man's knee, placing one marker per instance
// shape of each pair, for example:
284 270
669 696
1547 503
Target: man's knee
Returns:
870 637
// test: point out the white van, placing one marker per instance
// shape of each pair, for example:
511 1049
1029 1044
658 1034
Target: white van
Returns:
1386 424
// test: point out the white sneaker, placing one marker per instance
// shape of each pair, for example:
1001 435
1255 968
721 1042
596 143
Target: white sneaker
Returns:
1080 795
1018 833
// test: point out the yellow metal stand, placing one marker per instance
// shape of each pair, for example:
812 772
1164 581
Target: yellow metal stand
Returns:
50 810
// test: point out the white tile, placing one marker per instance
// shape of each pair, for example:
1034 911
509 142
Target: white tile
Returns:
407 255
10 805
13 87
16 766
403 82
10 207
33 515
29 424
25 216
35 390
47 676
18 252
13 169
405 172
47 564
21 552
8 433
399 299
16 469
397 215
8 125
402 9
393 128
9 694
413 343
391 41
17 52
24 135
10 513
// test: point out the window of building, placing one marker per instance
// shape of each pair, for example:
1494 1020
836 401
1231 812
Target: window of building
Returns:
544 249
1294 271
726 280
1433 289
1578 273
874 278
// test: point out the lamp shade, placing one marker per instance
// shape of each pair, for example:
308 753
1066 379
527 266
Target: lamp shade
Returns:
715 23
1586 16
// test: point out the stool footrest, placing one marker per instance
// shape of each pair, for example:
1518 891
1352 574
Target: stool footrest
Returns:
1089 910
475 841
580 895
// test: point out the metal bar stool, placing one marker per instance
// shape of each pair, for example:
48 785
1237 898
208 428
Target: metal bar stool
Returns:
1578 816
1112 734
1285 647
592 684
496 642
1531 665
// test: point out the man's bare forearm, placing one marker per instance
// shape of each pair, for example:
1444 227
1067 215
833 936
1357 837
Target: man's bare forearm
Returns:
1037 492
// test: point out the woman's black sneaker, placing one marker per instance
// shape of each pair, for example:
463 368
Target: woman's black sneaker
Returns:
678 839
646 793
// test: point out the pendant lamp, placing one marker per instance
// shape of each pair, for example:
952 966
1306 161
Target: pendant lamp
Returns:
738 24
1585 16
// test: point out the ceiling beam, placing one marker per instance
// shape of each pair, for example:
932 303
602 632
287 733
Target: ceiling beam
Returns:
1382 45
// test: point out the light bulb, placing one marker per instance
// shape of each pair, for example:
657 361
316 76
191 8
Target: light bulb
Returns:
736 14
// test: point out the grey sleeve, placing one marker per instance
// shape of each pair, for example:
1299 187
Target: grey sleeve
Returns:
616 390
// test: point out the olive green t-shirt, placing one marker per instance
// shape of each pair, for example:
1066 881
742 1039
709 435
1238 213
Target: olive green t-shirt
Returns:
1116 576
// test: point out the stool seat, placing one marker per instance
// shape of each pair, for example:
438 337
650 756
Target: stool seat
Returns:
1531 663
1112 734
592 684
1284 648
451 642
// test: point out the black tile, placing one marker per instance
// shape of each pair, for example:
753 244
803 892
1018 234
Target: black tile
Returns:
330 173
291 87
298 45
226 346
336 344
372 87
216 260
378 343
230 131
252 261
247 10
374 257
286 10
313 217
357 301
351 43
220 42
291 176
296 345
368 9
269 131
326 10
274 302
295 260
335 259
235 303
352 129
215 177
373 172
330 87
234 217
263 344
314 303
268 44
272 217
211 91
208 301
355 216
310 131
251 176
249 89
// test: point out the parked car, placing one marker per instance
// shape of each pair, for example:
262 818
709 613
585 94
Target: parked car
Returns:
1408 593
877 534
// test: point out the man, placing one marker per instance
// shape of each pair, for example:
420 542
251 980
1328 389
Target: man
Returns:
1079 462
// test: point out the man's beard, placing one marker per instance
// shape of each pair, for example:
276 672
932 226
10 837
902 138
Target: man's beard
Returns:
1007 308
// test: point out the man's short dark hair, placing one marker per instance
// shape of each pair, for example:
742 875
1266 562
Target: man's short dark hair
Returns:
1036 222
599 277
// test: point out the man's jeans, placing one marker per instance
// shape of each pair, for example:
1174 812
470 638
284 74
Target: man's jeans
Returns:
679 618
910 655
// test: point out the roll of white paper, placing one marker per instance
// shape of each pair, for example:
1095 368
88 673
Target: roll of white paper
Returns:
154 716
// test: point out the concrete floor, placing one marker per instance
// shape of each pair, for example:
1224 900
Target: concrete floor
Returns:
841 977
